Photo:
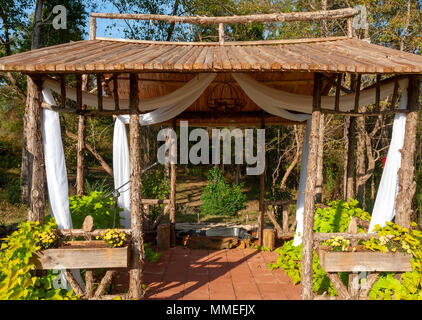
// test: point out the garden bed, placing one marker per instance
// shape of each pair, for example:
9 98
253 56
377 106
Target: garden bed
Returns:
82 254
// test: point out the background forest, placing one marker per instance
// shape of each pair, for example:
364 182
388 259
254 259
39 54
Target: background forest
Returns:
26 24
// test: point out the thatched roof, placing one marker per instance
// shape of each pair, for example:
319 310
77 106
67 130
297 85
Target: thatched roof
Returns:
337 54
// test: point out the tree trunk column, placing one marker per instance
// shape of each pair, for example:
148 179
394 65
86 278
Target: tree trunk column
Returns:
261 215
35 148
82 83
308 214
173 192
407 185
137 243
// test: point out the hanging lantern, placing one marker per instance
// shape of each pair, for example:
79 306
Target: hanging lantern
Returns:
226 97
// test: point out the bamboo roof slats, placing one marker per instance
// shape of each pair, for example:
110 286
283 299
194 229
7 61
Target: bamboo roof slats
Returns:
340 54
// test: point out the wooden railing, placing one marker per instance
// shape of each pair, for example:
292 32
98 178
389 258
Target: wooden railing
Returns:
285 230
346 13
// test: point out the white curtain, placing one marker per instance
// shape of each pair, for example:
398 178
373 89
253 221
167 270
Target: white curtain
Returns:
385 203
165 109
276 102
55 165
57 184
300 201
121 170
169 104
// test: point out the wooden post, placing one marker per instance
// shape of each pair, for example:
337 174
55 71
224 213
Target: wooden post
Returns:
116 92
81 83
173 192
100 91
92 28
221 33
406 183
308 214
350 169
261 198
63 91
136 216
268 238
35 148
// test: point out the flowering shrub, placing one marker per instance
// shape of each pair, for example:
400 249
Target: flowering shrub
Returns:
338 243
17 277
394 238
49 239
335 218
114 238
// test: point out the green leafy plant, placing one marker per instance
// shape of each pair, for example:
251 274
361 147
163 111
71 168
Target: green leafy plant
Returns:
151 255
219 198
394 238
335 218
96 205
17 279
154 186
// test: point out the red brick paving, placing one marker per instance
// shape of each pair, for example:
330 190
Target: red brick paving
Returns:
233 274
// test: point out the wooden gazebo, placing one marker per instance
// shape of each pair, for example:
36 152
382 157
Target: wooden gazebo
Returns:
136 69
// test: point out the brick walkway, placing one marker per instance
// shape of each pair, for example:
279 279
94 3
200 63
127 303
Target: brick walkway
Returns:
235 274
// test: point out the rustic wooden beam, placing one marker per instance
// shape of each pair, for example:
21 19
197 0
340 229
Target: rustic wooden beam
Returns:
92 27
105 281
82 233
116 92
226 43
345 235
279 202
136 216
100 78
378 92
308 214
73 283
62 92
274 221
350 31
271 17
261 222
221 33
173 151
338 285
357 92
365 114
406 182
35 148
395 93
81 85
338 89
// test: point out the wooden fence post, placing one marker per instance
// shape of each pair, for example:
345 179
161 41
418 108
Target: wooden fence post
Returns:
36 149
406 183
81 84
173 191
262 208
308 214
136 216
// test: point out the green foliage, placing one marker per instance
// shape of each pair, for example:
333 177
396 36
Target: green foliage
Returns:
394 238
151 255
218 198
336 217
17 280
155 187
289 259
96 205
